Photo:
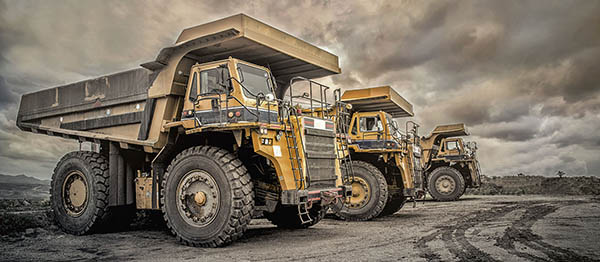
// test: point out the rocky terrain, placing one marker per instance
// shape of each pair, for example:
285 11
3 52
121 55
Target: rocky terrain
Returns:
537 185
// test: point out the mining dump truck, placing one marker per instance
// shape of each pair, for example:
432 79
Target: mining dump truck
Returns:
204 133
450 164
386 161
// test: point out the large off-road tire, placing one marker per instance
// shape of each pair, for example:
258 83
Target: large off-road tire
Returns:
445 184
369 193
287 216
206 197
79 192
392 205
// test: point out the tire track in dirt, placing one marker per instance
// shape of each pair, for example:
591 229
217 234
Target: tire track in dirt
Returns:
453 234
520 232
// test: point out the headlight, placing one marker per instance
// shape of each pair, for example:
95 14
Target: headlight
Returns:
263 130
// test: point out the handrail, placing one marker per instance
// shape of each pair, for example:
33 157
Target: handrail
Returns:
322 95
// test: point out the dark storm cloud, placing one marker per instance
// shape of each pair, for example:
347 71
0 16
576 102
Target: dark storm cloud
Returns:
521 74
6 95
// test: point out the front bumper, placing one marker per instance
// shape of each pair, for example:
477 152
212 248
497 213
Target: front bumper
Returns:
325 195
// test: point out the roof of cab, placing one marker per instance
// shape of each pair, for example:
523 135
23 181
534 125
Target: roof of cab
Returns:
383 98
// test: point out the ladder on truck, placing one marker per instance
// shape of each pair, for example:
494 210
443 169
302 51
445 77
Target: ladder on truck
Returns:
296 162
342 118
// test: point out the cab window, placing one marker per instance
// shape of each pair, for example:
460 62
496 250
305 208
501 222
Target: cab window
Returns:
354 130
451 145
209 82
255 80
370 124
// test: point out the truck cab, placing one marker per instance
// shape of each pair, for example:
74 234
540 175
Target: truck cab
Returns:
229 91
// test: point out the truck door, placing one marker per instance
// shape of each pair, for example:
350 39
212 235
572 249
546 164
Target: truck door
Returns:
208 89
370 127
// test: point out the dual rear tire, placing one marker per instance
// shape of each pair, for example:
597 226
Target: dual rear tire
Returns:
79 195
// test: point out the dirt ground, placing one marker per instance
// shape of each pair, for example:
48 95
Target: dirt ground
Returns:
476 228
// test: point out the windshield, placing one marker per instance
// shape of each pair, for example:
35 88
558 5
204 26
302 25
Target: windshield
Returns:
392 127
255 80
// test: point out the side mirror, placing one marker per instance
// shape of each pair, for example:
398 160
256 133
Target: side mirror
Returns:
223 75
241 74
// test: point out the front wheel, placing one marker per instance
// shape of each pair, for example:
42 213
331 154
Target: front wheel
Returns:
369 193
446 184
207 198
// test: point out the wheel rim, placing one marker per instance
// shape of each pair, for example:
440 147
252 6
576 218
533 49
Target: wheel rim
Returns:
360 193
74 192
445 185
198 198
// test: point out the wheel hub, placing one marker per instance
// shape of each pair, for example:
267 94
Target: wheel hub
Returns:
445 185
360 193
74 192
198 198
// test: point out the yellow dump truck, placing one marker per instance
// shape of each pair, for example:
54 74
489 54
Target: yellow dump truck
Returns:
205 133
386 161
450 163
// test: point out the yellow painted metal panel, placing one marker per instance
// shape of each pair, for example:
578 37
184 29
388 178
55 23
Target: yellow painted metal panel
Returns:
382 98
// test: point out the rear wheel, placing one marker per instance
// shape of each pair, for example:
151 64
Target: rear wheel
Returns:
207 197
79 192
287 216
445 184
369 193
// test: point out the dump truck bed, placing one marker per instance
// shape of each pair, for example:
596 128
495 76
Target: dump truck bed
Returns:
451 130
132 106
383 98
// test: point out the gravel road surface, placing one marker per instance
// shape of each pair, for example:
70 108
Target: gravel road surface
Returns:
476 228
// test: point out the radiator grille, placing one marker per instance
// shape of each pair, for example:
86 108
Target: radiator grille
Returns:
320 157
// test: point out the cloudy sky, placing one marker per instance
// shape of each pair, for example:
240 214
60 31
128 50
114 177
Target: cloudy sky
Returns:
523 75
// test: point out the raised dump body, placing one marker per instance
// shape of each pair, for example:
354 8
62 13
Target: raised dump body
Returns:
131 107
202 133
383 98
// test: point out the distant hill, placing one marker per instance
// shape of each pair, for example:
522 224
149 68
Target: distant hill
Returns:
22 179
23 187
537 185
